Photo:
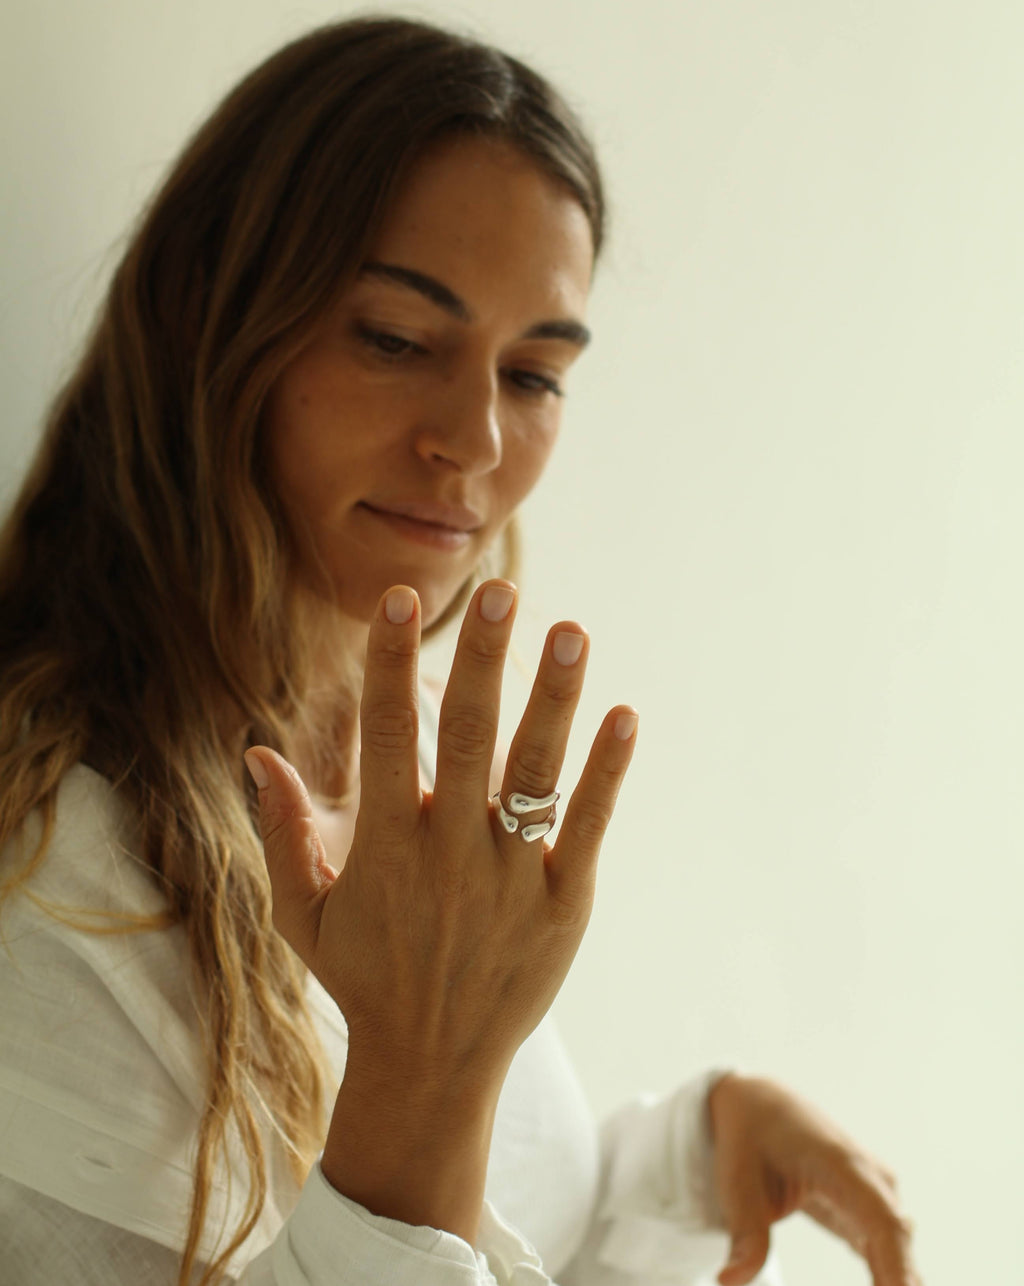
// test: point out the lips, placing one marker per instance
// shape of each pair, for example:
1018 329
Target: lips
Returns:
445 517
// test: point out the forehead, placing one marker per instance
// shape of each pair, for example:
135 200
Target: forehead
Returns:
483 217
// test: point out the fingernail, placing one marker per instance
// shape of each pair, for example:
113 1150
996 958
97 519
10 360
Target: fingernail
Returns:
256 770
399 605
496 602
625 726
567 647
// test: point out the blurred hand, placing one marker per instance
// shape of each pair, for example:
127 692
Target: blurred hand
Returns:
775 1154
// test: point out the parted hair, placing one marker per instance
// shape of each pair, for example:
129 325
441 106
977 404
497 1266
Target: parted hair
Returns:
149 622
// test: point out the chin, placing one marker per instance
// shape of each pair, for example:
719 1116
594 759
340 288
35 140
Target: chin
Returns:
438 601
437 605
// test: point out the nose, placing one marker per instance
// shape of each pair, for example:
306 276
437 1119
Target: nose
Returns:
461 428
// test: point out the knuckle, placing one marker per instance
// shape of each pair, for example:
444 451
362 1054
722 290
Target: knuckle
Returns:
388 727
394 651
603 790
839 1157
467 737
889 1178
567 911
591 822
482 649
562 696
276 820
531 767
897 1227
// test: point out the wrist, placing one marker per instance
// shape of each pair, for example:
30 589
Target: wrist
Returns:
721 1087
415 1153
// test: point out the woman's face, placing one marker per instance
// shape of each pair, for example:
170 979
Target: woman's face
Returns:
406 433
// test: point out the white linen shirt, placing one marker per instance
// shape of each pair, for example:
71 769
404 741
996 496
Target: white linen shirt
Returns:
102 1085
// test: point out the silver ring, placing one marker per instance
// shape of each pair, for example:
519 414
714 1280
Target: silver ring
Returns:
510 823
518 806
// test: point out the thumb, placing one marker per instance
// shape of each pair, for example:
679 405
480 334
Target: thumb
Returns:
748 1220
300 874
747 1254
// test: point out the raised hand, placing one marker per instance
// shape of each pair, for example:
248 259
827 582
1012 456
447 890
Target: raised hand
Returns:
444 938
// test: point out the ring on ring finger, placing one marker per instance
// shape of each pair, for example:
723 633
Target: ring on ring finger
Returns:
520 805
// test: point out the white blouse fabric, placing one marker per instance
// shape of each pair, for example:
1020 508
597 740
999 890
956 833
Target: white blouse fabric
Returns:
102 1087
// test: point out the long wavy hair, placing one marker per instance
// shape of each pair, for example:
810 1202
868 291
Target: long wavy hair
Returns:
149 622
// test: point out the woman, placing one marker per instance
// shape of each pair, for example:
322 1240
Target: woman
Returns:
329 368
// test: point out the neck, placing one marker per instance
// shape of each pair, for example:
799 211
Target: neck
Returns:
327 751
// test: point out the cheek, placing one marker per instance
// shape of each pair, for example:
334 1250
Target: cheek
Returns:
292 416
320 427
526 456
294 450
303 407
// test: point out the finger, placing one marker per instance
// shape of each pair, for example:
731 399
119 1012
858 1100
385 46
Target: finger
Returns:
538 747
468 720
746 1208
895 1265
300 874
857 1203
572 861
748 1251
389 775
891 1181
885 1245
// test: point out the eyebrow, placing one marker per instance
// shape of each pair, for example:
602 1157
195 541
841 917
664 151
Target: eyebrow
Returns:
573 332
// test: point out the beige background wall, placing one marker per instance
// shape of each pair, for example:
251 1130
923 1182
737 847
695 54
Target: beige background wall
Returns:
786 504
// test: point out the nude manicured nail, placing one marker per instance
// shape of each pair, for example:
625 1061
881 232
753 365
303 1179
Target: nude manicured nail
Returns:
495 603
399 605
256 769
625 726
567 647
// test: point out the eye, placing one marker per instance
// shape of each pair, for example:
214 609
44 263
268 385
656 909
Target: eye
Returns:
387 345
534 384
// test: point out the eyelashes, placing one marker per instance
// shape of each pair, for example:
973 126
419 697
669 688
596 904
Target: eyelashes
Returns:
394 349
531 382
387 345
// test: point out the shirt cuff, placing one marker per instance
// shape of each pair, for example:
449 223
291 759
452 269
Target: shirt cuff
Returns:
660 1215
330 1240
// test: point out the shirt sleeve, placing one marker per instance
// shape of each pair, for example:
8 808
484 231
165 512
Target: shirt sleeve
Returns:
95 1162
101 1094
327 1241
656 1219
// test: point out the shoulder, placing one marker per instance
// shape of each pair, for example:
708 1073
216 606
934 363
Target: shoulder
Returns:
102 1068
99 1068
91 859
87 943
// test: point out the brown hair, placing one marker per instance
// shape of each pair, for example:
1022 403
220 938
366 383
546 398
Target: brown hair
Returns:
148 626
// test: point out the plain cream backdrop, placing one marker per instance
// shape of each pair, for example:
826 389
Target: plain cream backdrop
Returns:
786 504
